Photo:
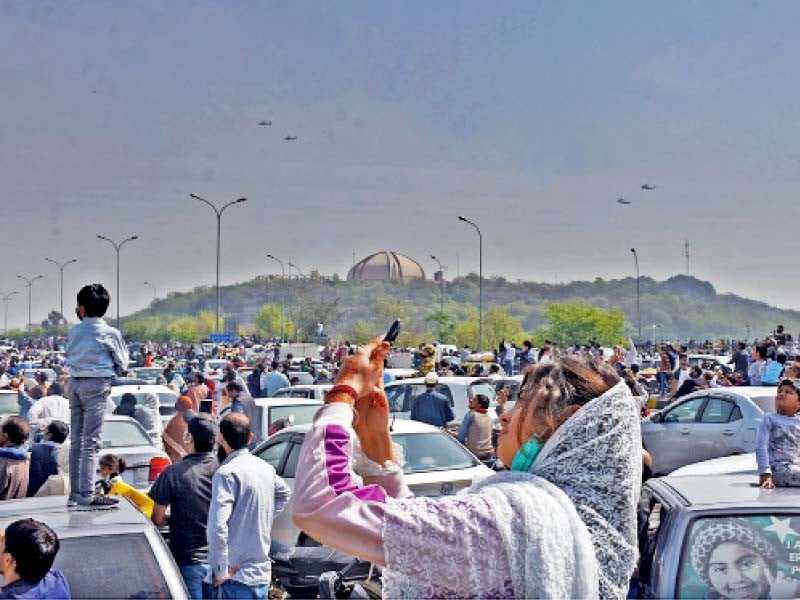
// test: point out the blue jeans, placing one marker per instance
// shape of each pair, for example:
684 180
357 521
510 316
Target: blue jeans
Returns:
508 367
193 576
662 383
236 589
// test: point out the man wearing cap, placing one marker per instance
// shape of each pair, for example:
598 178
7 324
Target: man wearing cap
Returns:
185 487
430 406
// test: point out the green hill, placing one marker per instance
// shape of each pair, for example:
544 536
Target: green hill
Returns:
681 307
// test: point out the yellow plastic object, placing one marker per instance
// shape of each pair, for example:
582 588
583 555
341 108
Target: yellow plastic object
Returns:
140 499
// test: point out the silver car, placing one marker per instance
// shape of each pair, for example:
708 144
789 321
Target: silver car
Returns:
105 553
707 424
435 465
126 438
717 536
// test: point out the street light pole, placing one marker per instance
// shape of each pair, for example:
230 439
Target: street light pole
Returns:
147 283
441 270
29 283
118 247
299 275
638 293
655 326
6 298
480 281
283 289
294 266
218 212
61 268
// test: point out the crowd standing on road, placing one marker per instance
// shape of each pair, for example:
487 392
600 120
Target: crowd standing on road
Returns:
218 500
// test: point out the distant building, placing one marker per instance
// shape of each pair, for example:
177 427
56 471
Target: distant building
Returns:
386 266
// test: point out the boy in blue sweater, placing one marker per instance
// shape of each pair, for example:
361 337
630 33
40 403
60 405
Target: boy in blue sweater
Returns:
96 352
778 441
26 560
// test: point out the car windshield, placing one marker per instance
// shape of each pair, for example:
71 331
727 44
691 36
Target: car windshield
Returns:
148 373
122 433
301 414
432 451
483 388
111 566
743 556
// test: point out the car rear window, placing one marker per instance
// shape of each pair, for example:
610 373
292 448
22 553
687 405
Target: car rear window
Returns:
118 434
302 415
434 451
746 556
111 566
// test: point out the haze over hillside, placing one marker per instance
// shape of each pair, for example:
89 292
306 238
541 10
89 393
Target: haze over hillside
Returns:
680 307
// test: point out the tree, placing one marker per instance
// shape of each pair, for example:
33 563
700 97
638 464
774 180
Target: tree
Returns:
361 332
577 323
268 321
498 325
314 310
445 326
54 323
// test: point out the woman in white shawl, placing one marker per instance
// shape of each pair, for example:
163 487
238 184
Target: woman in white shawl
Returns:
560 524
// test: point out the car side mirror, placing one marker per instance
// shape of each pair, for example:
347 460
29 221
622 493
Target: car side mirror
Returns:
656 418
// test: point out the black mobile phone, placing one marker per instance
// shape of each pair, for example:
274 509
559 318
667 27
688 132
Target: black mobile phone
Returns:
393 332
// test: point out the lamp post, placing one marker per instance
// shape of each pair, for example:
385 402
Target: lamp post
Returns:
6 298
299 275
61 268
480 281
151 285
218 212
441 270
655 326
638 293
118 247
283 289
29 283
294 266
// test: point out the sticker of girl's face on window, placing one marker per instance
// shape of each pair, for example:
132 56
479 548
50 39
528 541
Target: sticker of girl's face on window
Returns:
735 559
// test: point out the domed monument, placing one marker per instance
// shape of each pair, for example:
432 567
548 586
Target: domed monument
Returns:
386 266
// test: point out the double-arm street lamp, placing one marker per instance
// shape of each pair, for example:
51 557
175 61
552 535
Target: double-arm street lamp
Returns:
294 266
638 293
61 268
29 283
218 212
117 247
480 281
283 289
6 298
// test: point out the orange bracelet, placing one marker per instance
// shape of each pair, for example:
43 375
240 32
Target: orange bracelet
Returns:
344 389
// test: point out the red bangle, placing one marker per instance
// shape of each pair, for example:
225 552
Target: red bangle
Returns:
345 389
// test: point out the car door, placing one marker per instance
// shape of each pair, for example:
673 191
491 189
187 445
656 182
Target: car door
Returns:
669 438
276 452
717 431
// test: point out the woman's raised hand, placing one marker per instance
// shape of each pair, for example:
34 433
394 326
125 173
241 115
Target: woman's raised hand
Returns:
363 371
372 426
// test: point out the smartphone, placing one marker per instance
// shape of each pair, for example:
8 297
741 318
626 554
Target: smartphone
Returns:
393 332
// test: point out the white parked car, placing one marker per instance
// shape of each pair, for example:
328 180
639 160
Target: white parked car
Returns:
312 391
166 397
144 460
435 465
458 390
295 411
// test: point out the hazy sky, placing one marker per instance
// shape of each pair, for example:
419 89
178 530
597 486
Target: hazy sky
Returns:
530 118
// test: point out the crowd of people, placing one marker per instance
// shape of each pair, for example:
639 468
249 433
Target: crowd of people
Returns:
569 446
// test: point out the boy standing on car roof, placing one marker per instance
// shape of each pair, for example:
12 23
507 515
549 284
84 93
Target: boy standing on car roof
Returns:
96 352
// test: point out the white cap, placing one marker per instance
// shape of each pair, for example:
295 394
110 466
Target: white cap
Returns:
431 378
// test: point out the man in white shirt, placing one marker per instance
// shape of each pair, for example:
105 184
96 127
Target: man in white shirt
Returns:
53 407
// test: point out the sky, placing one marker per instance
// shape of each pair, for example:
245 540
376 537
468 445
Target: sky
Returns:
529 118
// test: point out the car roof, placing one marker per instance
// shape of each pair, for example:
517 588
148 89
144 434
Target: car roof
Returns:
287 401
398 426
442 380
740 490
306 386
53 511
142 387
737 463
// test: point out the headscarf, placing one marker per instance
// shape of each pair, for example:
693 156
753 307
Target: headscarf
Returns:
595 457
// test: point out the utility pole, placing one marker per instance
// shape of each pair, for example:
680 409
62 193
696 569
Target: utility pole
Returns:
686 252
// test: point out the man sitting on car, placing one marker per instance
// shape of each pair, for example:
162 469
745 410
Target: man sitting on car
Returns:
26 560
